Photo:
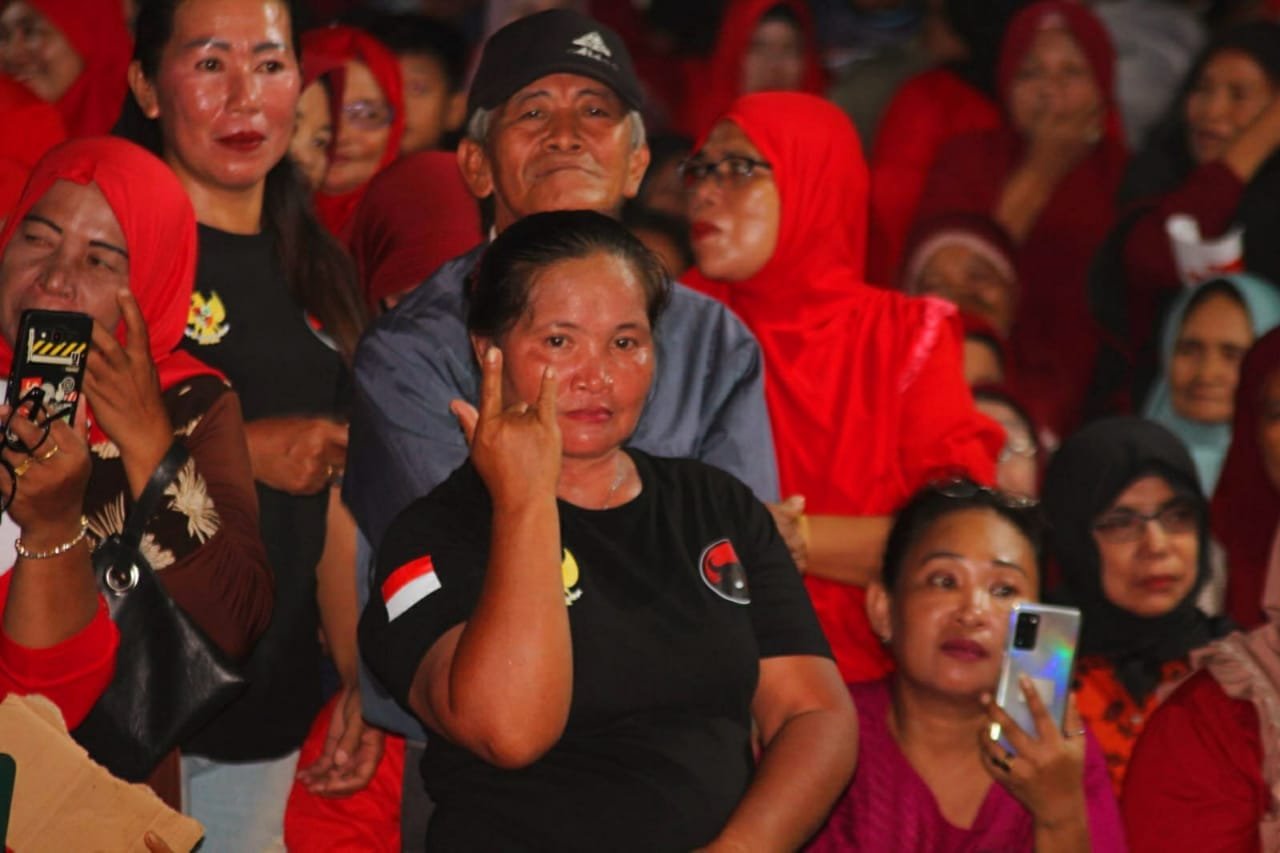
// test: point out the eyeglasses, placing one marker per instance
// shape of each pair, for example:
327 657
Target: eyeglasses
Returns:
1024 448
962 488
733 170
1180 515
368 115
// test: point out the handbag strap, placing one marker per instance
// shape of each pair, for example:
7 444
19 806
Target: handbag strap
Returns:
149 501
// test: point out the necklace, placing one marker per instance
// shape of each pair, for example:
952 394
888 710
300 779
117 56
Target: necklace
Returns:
617 481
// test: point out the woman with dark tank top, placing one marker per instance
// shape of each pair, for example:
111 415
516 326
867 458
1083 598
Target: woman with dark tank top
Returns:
215 85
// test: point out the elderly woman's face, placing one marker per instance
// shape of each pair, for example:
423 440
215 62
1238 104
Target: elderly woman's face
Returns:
948 613
1053 78
1231 91
67 254
364 128
586 318
733 216
958 274
226 92
1205 367
35 52
1148 566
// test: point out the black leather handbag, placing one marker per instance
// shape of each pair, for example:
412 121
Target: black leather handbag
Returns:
170 680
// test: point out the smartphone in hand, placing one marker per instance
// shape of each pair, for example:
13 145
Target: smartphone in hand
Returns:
48 365
1041 644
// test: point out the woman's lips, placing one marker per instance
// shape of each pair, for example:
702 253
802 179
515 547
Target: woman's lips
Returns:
245 140
701 229
591 416
965 649
1158 583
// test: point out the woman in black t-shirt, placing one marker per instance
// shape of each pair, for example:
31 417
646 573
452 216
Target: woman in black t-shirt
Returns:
590 630
215 88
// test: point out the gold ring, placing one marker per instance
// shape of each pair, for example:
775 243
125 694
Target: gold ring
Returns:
45 457
21 467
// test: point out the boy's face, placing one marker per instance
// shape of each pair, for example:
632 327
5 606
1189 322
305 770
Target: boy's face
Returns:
430 109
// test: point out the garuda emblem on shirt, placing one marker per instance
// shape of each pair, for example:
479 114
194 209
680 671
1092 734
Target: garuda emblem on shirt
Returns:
207 320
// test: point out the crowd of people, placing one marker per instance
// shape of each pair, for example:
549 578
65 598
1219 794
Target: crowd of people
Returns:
632 426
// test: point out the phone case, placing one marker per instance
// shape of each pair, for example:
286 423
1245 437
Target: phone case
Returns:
49 355
1048 662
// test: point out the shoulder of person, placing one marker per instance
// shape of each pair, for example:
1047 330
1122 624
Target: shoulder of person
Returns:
694 320
693 476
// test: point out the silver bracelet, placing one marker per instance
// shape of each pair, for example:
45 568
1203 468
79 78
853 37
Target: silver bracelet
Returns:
56 550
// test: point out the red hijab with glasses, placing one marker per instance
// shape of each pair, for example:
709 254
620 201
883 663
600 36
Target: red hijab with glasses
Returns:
1246 505
865 386
159 228
327 51
97 31
1054 338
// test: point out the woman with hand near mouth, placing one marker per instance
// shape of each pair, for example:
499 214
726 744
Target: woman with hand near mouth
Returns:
215 86
72 54
929 777
865 386
1130 540
1209 330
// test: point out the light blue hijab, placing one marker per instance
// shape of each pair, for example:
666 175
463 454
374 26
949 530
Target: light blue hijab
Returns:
1208 443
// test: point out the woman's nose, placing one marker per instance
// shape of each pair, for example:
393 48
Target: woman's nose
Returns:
592 374
244 91
56 276
975 608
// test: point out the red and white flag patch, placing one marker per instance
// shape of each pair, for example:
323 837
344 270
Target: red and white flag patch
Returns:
408 585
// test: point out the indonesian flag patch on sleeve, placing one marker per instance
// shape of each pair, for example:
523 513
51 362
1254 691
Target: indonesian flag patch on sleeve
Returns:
408 585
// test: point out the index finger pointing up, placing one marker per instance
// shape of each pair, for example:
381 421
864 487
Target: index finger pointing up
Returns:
136 342
491 385
547 394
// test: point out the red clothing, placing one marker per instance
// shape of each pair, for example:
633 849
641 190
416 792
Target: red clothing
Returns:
41 129
1054 338
331 48
97 31
712 86
927 111
417 214
1195 780
368 821
72 674
865 387
1246 506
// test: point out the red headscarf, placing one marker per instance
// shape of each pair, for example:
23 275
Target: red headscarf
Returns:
42 128
417 214
97 31
1246 504
327 51
844 361
159 228
714 86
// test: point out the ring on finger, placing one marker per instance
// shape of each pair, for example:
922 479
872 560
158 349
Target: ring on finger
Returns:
45 457
21 467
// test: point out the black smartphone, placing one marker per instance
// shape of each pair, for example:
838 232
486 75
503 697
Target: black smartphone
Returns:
48 362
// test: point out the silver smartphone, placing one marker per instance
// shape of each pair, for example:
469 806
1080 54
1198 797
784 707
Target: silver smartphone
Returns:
1041 644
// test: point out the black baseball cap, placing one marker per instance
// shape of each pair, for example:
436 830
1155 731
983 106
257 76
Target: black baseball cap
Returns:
557 41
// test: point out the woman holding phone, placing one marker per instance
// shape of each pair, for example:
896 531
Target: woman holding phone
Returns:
103 228
929 775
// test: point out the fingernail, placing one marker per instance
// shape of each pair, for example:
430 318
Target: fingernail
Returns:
550 373
491 355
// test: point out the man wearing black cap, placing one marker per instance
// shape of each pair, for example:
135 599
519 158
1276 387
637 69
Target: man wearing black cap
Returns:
553 125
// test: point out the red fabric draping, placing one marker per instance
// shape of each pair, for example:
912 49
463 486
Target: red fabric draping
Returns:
328 50
865 387
1054 338
416 215
159 228
714 84
1246 504
41 129
97 31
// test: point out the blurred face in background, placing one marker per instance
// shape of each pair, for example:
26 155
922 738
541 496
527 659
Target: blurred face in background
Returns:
431 109
735 211
1205 367
1016 468
962 276
1230 93
1053 79
36 53
1148 567
775 57
364 129
313 135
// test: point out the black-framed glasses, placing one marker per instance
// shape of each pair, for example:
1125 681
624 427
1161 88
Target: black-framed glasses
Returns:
734 170
1180 515
962 488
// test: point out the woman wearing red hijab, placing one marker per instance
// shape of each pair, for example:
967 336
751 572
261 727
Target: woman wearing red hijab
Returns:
105 228
1246 504
73 54
368 117
865 389
763 46
1048 176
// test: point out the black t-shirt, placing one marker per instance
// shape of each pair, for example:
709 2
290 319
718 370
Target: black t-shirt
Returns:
245 323
673 600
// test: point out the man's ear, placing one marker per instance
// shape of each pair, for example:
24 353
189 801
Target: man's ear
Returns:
878 611
473 162
480 345
637 165
143 91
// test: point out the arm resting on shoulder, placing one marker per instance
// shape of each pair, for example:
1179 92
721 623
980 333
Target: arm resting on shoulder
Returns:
847 548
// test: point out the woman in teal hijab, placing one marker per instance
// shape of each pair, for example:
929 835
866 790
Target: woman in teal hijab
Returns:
1209 329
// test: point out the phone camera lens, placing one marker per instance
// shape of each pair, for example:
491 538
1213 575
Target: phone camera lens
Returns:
1026 631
